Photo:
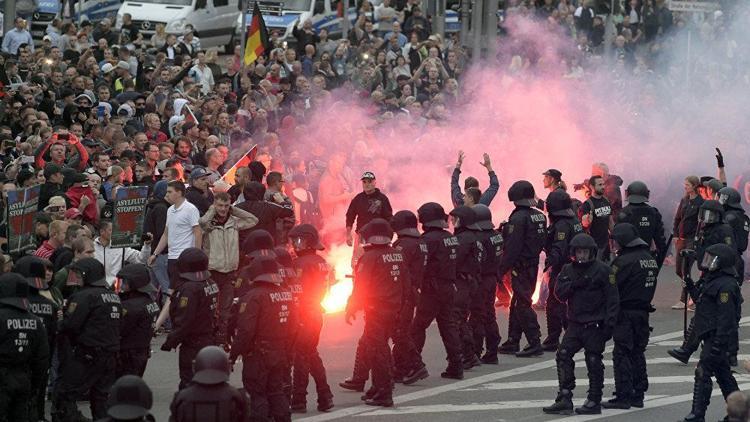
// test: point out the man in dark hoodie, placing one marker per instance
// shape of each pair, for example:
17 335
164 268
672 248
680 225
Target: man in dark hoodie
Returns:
365 207
267 212
153 225
52 186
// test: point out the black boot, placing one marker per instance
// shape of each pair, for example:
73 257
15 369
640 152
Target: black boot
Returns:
454 371
353 385
489 358
471 361
510 347
415 375
563 404
370 393
680 354
382 398
701 399
325 403
636 400
550 344
530 351
298 406
589 407
618 402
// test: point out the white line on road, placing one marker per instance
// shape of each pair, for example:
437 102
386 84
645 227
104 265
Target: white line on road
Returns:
430 392
520 385
678 343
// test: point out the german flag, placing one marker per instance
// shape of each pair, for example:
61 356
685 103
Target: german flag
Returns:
257 37
242 162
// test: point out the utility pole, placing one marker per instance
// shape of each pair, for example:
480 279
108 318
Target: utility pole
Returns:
489 35
438 19
476 29
243 5
9 14
345 21
465 20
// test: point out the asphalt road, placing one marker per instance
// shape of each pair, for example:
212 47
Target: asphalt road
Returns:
514 390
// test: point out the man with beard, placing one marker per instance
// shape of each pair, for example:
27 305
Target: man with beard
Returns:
595 216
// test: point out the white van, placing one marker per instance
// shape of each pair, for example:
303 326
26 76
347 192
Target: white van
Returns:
213 20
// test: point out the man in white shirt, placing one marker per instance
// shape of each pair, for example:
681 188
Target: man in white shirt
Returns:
183 231
201 74
114 258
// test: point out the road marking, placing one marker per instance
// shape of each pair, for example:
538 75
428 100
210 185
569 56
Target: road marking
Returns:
520 385
693 359
653 404
678 343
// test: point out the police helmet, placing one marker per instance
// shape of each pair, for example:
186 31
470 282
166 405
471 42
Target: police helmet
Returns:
211 366
626 236
136 277
14 290
192 265
583 249
463 216
262 268
730 198
377 232
305 237
483 218
129 398
432 214
637 192
258 243
719 257
90 271
559 204
711 212
285 262
405 223
522 193
34 269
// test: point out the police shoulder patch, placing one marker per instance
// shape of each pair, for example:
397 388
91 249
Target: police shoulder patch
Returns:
72 307
612 279
561 235
510 228
728 240
724 297
183 302
124 311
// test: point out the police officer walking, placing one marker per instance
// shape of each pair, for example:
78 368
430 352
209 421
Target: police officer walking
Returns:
735 216
483 320
645 218
210 398
716 315
378 291
408 367
192 311
24 352
139 315
636 272
588 288
92 324
564 226
265 329
313 272
437 297
524 235
34 270
130 400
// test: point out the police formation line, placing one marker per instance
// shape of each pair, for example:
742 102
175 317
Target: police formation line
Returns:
400 287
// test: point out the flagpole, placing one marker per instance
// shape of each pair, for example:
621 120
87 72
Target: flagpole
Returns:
244 5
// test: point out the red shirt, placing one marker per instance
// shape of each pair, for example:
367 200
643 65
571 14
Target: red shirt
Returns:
45 251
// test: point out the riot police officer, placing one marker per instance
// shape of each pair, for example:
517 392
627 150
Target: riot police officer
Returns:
137 324
92 323
717 311
564 226
524 234
408 367
291 283
645 218
34 270
313 273
210 389
265 330
711 231
24 352
130 400
378 291
437 297
739 221
588 288
192 311
636 272
483 320
467 274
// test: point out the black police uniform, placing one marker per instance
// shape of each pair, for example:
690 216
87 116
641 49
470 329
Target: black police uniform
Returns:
717 311
313 273
564 226
92 324
645 218
483 321
24 351
740 223
524 235
414 250
266 328
210 398
139 313
378 291
590 292
438 293
291 283
636 272
192 311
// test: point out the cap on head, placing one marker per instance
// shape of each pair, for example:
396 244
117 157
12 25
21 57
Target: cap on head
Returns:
129 398
198 172
192 265
714 185
553 173
368 175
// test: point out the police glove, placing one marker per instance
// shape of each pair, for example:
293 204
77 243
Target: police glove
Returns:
719 159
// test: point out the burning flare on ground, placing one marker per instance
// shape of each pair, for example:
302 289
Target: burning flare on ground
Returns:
340 259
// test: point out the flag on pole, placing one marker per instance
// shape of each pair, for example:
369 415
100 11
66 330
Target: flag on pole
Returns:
257 37
188 113
242 162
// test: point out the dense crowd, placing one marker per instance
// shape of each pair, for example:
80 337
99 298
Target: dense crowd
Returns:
93 109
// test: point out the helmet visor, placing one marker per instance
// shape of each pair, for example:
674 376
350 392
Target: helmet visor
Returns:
709 216
723 198
583 255
300 243
710 262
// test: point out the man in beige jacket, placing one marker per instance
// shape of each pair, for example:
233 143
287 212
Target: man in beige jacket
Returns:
221 226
